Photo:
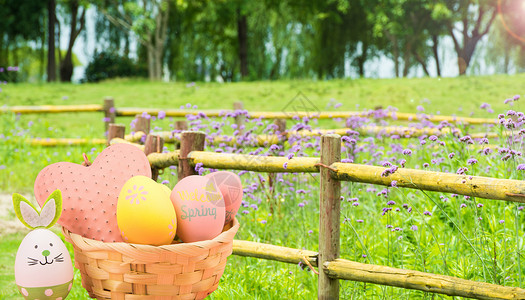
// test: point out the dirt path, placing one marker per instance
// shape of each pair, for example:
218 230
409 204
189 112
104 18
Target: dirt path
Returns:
8 221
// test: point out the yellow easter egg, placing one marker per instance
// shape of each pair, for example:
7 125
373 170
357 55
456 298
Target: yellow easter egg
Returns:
145 213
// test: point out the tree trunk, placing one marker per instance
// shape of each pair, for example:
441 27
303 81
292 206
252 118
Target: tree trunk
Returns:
66 65
274 72
506 60
406 59
51 62
466 55
3 58
435 51
470 40
242 34
42 54
422 62
158 62
151 63
395 52
362 59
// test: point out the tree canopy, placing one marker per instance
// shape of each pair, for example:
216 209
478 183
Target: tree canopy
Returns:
231 40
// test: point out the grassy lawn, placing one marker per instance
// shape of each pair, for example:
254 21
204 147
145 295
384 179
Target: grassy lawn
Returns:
433 232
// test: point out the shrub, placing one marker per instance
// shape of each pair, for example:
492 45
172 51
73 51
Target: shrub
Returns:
105 65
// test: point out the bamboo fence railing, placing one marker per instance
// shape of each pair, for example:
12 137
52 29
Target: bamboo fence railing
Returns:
332 171
111 112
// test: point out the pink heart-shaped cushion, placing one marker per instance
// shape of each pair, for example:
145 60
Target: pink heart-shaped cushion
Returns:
90 194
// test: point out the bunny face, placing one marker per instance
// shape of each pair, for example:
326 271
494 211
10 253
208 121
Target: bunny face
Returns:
42 260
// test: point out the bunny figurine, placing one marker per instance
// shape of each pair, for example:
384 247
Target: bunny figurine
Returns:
43 268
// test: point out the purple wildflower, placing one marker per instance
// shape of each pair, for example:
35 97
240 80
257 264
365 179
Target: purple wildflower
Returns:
472 161
393 183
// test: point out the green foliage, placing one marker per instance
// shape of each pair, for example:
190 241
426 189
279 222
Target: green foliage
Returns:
105 65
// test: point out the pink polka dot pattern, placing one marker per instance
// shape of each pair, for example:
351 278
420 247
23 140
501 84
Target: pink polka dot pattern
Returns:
48 292
90 194
24 292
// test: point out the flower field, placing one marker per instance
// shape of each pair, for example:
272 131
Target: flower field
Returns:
466 237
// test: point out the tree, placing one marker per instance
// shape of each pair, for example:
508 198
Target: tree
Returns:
76 25
149 24
51 58
470 20
21 20
506 45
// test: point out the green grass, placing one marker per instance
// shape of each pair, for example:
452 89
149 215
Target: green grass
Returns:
453 241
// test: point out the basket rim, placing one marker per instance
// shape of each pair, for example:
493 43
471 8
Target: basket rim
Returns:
87 244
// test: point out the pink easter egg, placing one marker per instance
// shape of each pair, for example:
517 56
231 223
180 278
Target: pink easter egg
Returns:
199 206
230 186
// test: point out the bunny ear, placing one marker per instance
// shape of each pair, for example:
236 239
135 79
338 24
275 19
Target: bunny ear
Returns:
52 209
28 214
25 211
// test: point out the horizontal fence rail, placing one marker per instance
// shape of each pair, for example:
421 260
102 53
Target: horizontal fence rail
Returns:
120 111
355 271
276 253
51 109
427 282
474 186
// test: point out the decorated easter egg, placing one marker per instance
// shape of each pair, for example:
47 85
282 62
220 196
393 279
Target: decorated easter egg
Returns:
43 268
230 186
200 209
145 213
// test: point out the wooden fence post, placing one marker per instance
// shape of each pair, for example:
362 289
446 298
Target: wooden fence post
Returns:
329 215
142 124
109 112
239 119
181 125
189 141
153 144
281 128
115 131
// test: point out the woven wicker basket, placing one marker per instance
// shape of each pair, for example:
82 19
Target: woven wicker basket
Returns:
132 271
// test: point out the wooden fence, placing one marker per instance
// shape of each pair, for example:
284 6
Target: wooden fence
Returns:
142 123
332 173
111 112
